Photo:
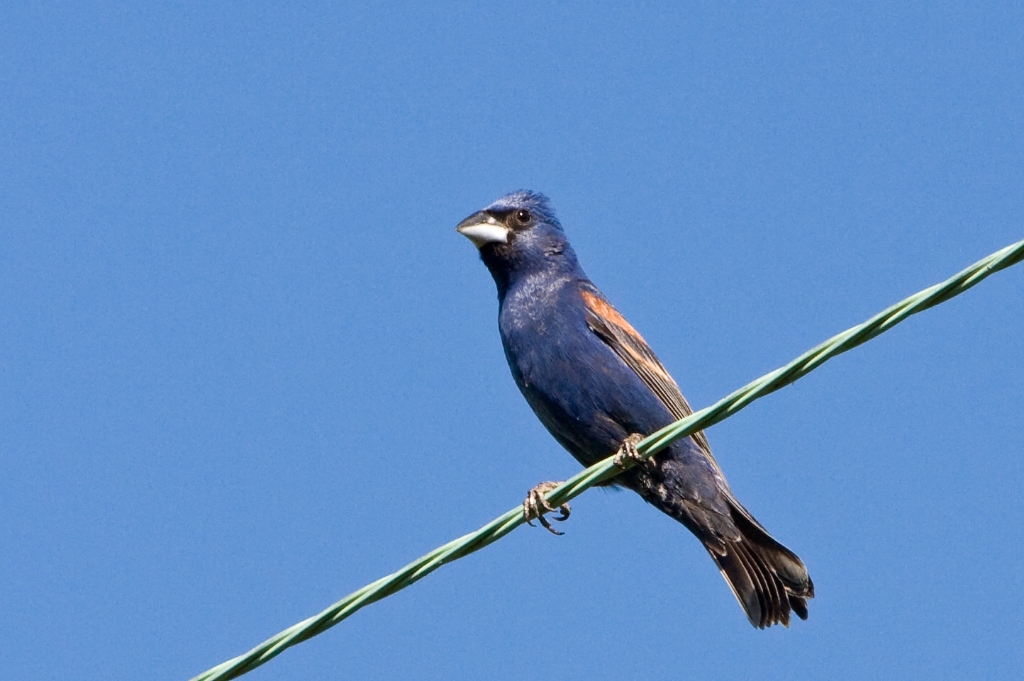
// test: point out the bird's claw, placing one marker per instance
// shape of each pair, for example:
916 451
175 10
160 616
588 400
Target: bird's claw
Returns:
627 452
536 505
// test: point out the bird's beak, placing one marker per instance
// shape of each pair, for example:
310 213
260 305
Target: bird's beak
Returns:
483 228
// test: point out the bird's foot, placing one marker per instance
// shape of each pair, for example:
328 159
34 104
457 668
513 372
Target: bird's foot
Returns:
535 506
627 452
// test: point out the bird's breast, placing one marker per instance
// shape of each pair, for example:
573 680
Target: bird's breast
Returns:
567 375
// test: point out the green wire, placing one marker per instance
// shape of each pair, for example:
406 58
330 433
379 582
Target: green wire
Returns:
604 470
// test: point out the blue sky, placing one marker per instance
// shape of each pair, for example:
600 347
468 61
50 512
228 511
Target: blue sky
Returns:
247 366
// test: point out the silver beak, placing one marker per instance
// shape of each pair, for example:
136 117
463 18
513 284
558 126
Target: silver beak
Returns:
483 228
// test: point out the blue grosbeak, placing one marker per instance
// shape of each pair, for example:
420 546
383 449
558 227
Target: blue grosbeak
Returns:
596 386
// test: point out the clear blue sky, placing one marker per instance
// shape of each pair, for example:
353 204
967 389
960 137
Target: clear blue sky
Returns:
247 366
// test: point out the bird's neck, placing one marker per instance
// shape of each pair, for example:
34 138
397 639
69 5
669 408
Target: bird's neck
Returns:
519 274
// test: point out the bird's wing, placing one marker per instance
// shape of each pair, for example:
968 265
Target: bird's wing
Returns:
751 567
612 328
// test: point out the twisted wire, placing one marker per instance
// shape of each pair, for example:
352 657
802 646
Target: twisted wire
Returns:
606 469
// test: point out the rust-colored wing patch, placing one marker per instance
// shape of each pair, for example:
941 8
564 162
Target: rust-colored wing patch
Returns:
603 309
612 328
604 316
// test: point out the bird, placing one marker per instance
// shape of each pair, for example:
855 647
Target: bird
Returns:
598 388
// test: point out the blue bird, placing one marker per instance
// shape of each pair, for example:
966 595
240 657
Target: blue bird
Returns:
598 388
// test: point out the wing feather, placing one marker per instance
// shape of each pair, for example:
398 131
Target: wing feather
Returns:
612 328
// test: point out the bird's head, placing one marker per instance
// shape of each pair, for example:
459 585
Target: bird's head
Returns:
519 234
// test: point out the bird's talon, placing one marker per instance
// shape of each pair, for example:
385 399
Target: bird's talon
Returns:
627 452
536 505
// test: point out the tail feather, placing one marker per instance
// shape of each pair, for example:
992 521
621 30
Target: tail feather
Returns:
743 582
765 599
768 580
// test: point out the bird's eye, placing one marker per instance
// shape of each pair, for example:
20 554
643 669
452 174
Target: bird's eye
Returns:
523 216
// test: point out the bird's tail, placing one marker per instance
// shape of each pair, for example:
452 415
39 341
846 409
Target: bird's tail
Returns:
768 580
